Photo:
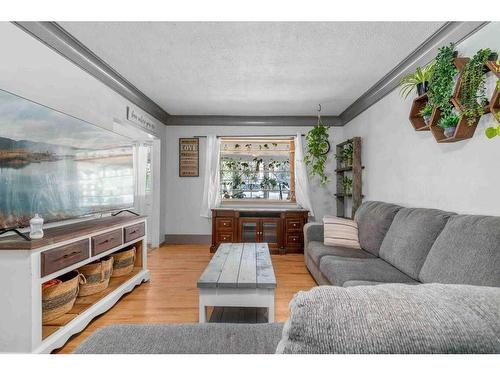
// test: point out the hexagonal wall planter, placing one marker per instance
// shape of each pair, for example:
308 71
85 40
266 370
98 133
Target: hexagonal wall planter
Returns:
463 130
415 118
489 66
495 103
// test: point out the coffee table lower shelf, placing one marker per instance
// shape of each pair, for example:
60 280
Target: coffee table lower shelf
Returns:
235 297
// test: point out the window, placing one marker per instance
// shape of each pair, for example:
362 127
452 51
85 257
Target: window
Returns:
260 169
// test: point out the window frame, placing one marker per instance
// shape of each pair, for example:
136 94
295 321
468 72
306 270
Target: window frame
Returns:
269 139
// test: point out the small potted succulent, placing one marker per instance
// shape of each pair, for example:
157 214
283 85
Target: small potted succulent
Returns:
449 124
426 113
347 185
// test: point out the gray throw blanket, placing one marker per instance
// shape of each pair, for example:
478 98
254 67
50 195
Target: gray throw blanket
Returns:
394 318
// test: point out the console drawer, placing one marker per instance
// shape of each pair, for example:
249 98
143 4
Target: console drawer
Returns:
224 237
134 231
64 256
294 225
106 241
224 224
294 239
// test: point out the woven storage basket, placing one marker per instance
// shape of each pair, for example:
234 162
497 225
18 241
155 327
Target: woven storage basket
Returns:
58 299
123 262
97 276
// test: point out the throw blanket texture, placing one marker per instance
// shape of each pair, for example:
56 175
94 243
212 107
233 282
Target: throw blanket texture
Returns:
394 318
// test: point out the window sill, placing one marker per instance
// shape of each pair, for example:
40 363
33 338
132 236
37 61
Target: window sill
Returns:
262 205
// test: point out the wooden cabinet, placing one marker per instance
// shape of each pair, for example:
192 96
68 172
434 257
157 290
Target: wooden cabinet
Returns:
281 229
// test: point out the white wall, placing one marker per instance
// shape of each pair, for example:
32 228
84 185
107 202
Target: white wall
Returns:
184 194
30 69
409 168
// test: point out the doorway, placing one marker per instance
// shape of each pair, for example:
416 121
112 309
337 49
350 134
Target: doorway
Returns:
147 153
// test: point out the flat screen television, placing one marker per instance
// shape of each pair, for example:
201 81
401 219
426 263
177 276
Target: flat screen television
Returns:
59 166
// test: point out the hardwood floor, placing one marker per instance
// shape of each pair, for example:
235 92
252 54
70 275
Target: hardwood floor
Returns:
171 295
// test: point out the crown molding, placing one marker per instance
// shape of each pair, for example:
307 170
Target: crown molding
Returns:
450 32
251 120
58 39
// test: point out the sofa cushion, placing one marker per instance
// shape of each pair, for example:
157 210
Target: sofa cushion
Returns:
394 318
317 250
411 236
365 282
466 252
339 270
374 220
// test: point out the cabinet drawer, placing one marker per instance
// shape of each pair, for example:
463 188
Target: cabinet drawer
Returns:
106 241
294 225
224 224
294 239
134 231
224 237
64 256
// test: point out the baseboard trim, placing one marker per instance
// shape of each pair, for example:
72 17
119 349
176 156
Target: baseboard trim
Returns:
183 239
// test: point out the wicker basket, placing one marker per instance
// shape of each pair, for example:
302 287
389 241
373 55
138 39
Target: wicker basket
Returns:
58 299
97 276
123 262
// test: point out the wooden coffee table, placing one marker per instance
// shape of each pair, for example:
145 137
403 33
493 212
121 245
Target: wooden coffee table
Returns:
239 275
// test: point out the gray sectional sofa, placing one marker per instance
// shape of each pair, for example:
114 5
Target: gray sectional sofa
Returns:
425 281
409 246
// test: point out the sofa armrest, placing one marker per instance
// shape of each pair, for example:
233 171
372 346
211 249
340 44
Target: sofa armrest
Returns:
313 232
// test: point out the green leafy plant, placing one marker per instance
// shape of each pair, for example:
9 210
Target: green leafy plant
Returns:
347 153
449 121
317 151
346 185
426 111
473 90
410 82
493 132
442 80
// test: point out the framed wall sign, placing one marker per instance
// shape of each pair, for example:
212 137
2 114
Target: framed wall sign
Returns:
189 157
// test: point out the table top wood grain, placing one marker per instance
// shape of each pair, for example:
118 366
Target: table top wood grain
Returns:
239 265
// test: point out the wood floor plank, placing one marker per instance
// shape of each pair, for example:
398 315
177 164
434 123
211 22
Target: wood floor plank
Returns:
171 296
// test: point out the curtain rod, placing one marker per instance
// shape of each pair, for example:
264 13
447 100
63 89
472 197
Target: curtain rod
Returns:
250 136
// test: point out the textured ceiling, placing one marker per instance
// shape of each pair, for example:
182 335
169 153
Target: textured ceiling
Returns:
255 68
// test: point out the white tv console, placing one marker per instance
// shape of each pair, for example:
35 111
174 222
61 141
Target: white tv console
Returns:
26 265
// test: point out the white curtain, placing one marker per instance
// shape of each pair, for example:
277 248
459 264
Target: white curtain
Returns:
211 196
302 191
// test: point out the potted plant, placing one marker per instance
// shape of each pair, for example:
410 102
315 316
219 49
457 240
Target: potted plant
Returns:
473 89
317 149
442 80
418 80
426 113
494 131
449 124
347 153
346 185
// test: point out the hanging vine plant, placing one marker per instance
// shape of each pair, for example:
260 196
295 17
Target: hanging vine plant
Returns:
317 149
473 89
442 80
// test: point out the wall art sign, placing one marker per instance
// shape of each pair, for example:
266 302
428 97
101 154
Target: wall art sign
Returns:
140 120
189 157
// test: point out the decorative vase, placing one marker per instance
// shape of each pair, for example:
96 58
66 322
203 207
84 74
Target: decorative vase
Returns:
422 88
36 227
449 132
